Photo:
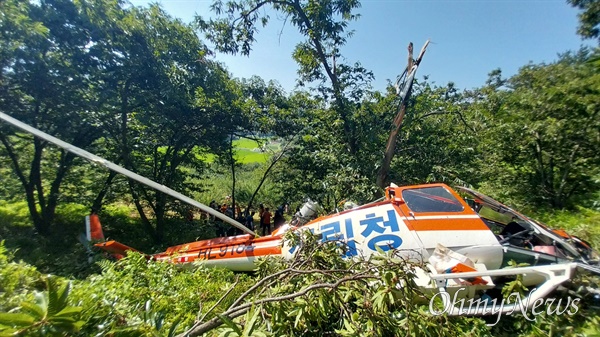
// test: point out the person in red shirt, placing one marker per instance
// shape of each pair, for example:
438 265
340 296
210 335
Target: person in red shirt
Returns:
266 222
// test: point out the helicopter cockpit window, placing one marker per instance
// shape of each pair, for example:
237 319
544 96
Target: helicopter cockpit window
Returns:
431 199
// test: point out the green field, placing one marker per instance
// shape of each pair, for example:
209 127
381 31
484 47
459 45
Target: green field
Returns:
248 151
245 143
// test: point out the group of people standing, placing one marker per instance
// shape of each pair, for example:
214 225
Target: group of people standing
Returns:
265 218
246 217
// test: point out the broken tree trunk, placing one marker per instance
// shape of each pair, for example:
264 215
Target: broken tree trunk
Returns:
403 91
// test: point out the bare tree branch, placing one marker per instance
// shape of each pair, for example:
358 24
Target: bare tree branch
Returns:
242 309
432 113
273 162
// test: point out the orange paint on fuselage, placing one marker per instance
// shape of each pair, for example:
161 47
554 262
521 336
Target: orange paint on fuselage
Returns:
243 246
453 224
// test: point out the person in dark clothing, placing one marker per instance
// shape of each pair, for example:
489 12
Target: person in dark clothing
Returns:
261 211
241 219
278 219
250 220
213 205
220 228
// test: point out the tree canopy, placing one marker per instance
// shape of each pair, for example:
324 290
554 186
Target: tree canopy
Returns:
141 88
589 18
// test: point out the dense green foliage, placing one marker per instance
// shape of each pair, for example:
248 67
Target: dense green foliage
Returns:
546 132
141 89
589 17
318 292
141 71
131 297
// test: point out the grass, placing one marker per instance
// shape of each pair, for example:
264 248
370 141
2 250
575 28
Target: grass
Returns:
245 143
583 222
247 151
246 156
63 253
14 214
217 186
60 252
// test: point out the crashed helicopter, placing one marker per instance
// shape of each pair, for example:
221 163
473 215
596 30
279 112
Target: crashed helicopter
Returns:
465 238
467 242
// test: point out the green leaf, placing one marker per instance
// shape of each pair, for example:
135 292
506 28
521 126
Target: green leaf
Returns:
69 311
55 320
68 325
174 326
298 317
231 324
251 324
8 332
34 310
57 295
227 333
16 319
77 325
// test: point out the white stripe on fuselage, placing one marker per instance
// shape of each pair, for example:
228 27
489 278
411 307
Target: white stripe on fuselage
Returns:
457 238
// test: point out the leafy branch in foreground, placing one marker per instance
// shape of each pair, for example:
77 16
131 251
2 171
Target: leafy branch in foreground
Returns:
49 314
319 292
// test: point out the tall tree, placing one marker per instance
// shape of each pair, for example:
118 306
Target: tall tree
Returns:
324 24
543 140
341 86
170 102
320 166
46 81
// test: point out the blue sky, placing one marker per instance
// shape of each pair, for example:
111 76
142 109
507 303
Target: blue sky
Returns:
468 38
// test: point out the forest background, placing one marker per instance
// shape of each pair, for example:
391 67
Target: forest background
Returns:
140 88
